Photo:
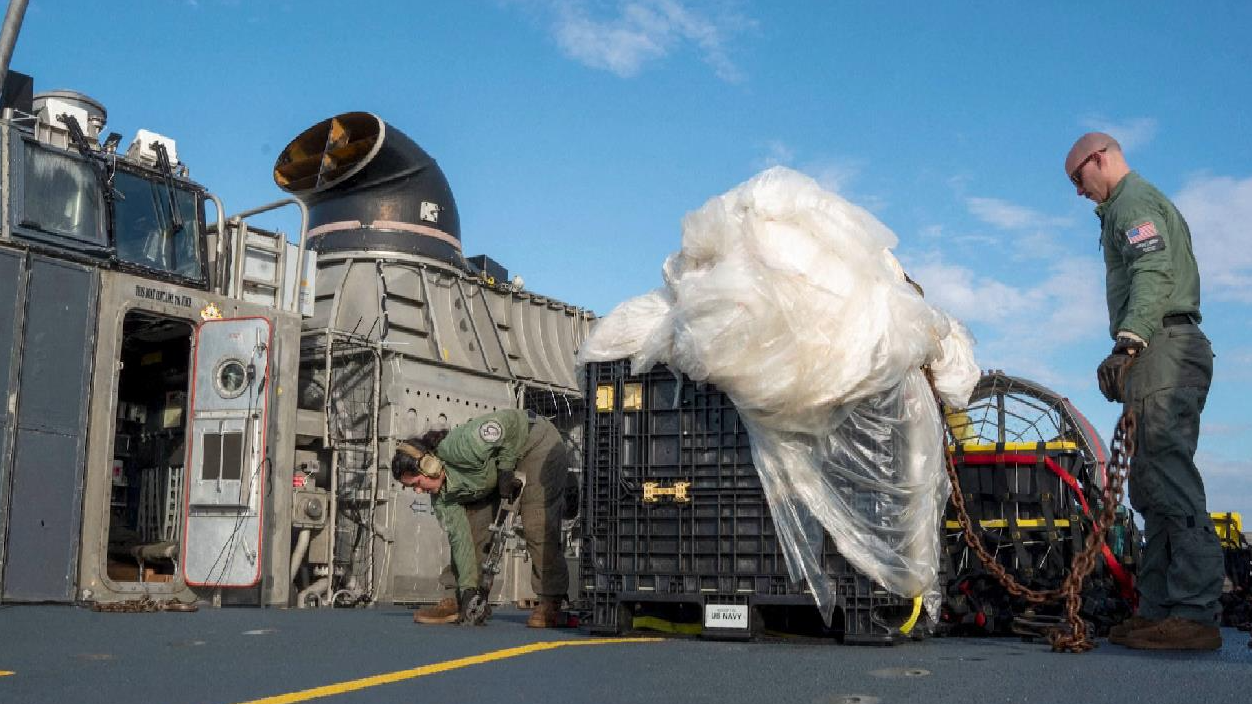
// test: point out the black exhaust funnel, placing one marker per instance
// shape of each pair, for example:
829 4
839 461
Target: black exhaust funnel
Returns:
370 188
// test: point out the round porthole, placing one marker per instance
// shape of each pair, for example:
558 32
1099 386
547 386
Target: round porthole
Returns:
231 378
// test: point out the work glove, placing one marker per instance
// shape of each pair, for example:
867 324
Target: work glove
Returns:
474 607
509 485
1111 374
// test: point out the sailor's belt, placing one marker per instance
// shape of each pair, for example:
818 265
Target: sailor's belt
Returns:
1177 319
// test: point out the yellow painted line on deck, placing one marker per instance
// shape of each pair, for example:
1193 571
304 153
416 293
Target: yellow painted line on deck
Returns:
436 668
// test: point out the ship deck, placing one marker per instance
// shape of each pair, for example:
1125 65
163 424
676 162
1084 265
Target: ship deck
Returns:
60 654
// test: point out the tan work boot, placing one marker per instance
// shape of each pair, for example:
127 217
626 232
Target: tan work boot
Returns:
1118 633
546 614
1175 634
446 611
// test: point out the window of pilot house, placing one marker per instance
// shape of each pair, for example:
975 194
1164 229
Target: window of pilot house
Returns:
61 198
146 231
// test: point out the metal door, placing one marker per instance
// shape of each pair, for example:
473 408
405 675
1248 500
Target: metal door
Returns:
226 462
55 339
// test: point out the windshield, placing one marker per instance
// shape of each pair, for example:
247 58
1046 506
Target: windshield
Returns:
61 196
144 227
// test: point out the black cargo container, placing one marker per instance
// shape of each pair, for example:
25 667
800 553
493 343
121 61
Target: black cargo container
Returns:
676 525
1032 505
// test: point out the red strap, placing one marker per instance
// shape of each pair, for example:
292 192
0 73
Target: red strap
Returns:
1125 582
1070 481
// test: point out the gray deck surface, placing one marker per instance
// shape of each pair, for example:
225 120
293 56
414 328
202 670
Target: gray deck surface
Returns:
64 655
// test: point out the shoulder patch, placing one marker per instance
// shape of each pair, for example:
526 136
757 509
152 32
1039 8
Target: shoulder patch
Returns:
491 431
1143 238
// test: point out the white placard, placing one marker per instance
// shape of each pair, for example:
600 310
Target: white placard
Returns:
726 616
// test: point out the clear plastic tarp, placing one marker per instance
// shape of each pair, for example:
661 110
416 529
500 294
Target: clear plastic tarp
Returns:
787 297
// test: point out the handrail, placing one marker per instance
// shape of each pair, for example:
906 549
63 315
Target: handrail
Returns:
237 279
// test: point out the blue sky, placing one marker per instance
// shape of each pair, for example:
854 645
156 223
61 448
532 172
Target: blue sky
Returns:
576 134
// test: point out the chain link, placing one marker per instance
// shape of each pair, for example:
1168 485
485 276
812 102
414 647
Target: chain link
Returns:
145 604
1075 638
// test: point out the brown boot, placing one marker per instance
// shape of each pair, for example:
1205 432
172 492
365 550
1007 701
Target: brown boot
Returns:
446 611
1175 634
546 614
1118 633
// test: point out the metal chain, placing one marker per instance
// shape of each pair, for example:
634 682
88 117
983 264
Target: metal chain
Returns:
145 604
1074 640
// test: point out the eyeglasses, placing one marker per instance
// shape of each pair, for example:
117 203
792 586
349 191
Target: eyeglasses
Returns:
1075 176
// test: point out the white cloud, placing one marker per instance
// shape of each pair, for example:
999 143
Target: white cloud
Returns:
1224 429
837 176
778 153
1021 322
645 31
1226 483
1010 216
1068 302
834 175
1037 245
1218 209
1131 133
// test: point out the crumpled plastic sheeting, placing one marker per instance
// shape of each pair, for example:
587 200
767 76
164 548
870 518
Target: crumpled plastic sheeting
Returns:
788 299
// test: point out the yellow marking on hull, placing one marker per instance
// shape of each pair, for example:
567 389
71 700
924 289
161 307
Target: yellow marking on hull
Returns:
436 668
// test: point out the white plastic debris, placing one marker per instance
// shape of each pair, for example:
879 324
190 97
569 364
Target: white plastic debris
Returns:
788 299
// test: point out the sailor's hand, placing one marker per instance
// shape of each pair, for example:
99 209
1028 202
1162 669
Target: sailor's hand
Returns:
1111 374
509 485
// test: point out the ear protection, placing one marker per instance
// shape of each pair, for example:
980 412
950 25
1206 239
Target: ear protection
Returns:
428 464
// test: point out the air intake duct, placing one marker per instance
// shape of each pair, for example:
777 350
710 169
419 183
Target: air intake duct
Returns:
370 188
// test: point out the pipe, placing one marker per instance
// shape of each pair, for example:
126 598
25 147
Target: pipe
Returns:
302 546
221 239
8 35
334 508
370 187
302 597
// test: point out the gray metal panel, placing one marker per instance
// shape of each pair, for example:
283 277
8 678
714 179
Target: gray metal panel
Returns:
10 275
46 500
11 266
55 362
44 519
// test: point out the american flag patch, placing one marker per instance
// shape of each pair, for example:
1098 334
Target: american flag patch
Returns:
1141 232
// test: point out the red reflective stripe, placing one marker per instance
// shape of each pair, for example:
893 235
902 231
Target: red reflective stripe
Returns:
1051 464
1123 578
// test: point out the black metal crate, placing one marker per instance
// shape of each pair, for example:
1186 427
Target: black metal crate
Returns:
1033 522
705 535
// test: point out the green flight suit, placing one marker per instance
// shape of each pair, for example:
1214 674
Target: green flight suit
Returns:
1152 282
474 454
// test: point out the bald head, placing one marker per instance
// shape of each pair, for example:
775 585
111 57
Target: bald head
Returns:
1088 143
1095 165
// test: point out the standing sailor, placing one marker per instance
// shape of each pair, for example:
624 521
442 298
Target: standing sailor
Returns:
1153 289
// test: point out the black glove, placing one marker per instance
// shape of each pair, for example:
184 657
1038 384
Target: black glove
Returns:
474 607
1112 371
509 485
